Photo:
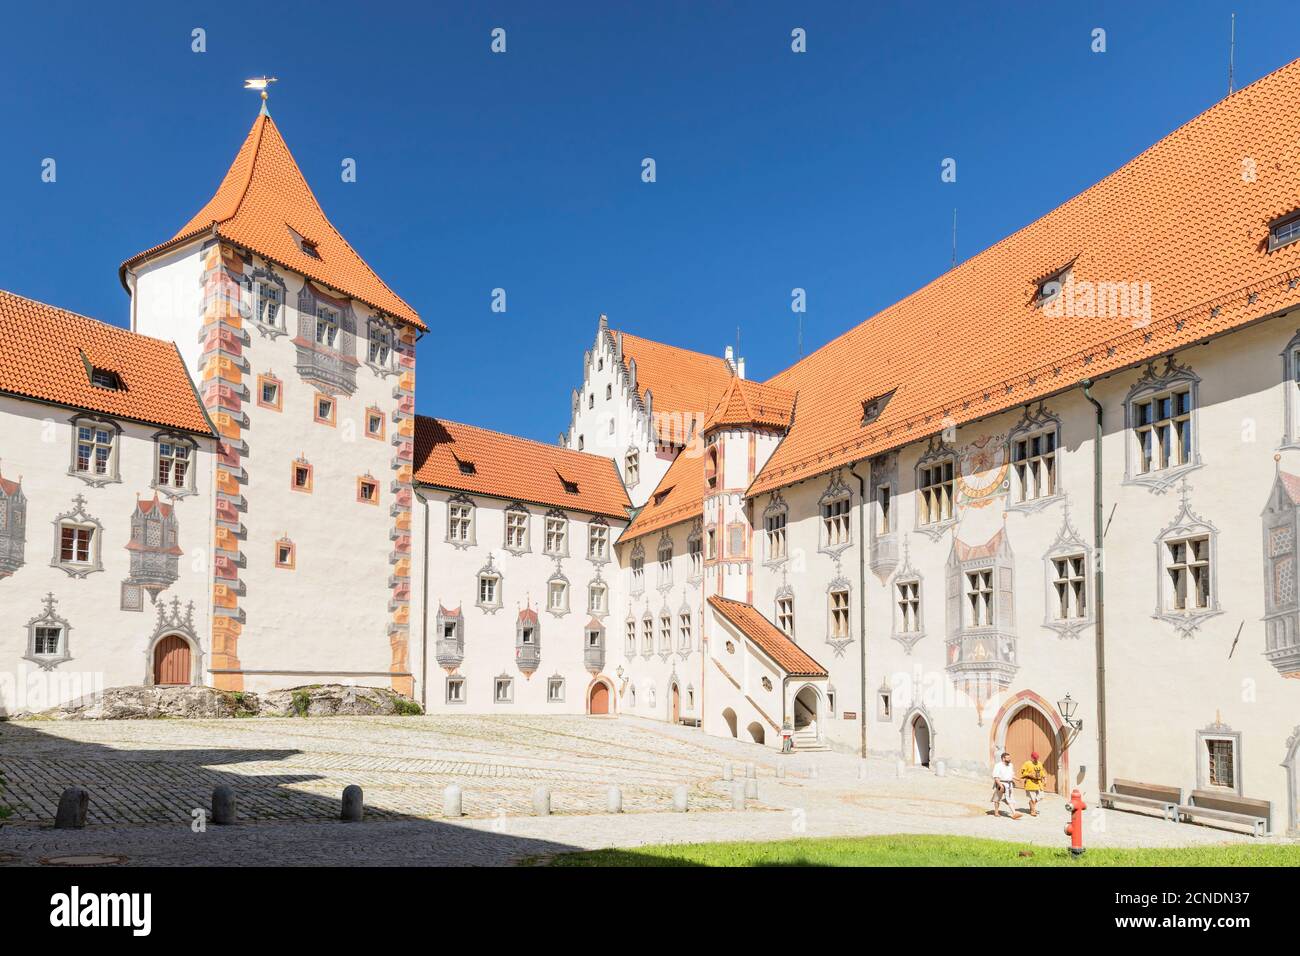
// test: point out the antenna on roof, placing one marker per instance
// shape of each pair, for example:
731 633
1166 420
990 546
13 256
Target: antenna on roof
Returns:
1232 50
954 237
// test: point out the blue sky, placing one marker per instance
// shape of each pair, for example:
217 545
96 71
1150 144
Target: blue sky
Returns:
522 170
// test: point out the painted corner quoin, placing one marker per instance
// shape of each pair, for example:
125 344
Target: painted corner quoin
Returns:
222 369
399 604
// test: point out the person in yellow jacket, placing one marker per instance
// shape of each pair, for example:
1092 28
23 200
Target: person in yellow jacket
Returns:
1033 775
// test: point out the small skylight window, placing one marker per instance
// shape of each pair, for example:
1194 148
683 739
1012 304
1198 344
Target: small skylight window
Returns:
569 486
1284 231
873 407
306 245
104 378
466 467
661 495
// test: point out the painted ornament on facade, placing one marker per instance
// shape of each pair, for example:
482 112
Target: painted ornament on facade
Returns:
13 526
982 471
154 546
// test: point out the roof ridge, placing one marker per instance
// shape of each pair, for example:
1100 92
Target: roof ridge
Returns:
98 323
531 441
668 345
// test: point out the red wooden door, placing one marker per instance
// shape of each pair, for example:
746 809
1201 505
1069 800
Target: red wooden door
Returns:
599 698
677 704
1029 732
171 661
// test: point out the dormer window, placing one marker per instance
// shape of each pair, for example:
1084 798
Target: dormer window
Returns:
103 378
466 467
1284 231
873 407
1049 287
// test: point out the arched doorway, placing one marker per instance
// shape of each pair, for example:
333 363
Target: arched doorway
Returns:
1029 731
806 712
598 698
920 741
676 704
755 731
729 716
171 661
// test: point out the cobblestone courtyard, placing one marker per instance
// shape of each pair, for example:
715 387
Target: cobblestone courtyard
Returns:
146 777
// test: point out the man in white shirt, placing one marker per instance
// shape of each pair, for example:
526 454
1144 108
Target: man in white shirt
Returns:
1004 778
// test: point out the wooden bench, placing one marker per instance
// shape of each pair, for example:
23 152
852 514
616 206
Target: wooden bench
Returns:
1228 808
1153 796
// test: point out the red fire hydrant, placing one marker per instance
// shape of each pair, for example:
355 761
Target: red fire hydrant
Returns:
1074 829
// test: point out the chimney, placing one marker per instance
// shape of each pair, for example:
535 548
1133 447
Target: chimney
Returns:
740 368
730 356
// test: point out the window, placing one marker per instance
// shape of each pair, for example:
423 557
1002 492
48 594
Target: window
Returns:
684 631
489 589
632 467
374 423
1283 232
557 534
103 378
285 554
711 537
75 544
835 522
324 410
1188 567
909 606
94 450
516 528
1034 459
774 523
629 638
884 516
1070 584
647 636
368 490
327 326
380 347
785 614
581 443
268 302
597 541
839 608
591 399
1221 763
46 640
596 593
300 478
555 690
665 634
1163 425
665 563
173 464
885 706
979 598
711 468
558 595
460 521
638 570
504 690
936 485
609 392
455 690
269 394
695 552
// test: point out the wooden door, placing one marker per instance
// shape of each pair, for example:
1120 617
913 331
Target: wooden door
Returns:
677 704
1030 731
171 661
599 698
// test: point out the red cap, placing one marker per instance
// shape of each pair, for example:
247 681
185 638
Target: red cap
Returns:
1034 755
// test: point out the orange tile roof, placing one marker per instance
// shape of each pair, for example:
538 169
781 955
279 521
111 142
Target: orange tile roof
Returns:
747 402
46 351
678 497
684 385
773 642
478 461
262 201
1190 216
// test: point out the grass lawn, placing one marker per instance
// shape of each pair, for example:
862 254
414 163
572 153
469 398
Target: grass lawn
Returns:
924 850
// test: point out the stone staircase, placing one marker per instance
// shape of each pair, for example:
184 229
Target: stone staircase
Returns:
805 740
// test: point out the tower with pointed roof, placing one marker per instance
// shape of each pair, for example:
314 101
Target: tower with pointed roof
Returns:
305 360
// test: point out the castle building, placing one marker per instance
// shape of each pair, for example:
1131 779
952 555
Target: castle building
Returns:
1047 502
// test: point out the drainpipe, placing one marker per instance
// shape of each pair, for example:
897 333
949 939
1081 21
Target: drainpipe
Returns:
862 605
424 610
1098 590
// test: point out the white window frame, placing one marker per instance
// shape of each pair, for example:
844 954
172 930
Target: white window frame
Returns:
517 525
837 611
597 598
508 683
785 619
461 514
177 443
1183 450
98 427
598 542
557 534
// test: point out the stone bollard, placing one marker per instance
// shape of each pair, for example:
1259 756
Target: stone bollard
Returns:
73 803
542 802
726 771
900 768
780 771
451 801
751 787
614 800
354 804
737 796
680 798
812 772
751 772
223 805
940 769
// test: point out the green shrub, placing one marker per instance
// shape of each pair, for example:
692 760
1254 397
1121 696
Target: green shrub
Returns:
405 707
301 702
